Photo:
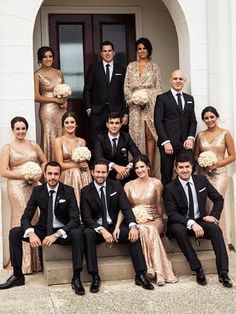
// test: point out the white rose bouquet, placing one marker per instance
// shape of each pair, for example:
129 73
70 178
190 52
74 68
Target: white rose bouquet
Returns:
141 214
140 98
80 154
61 91
31 171
207 159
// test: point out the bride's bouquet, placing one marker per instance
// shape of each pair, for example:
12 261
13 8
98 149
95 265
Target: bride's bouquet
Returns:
207 159
140 98
141 214
31 171
61 91
80 154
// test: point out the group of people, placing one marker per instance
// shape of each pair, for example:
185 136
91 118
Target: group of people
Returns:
117 198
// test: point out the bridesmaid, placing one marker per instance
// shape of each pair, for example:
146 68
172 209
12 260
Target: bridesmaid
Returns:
13 156
51 108
75 174
146 192
220 142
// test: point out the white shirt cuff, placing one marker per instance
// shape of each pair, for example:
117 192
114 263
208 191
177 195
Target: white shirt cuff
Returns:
63 234
191 138
130 165
98 229
110 165
166 142
190 223
27 231
133 224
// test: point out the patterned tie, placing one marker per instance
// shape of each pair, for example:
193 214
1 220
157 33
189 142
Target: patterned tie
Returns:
104 207
114 147
50 213
108 72
190 205
180 104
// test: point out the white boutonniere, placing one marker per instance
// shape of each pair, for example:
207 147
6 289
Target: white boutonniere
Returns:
61 201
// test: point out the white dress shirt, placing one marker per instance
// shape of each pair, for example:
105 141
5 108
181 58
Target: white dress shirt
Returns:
110 68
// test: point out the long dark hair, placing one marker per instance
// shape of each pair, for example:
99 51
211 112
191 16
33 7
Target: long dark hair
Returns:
210 109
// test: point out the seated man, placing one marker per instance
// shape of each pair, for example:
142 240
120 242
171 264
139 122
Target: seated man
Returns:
101 202
185 203
114 146
58 223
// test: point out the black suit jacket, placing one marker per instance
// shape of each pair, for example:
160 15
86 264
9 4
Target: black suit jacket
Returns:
176 204
91 205
98 92
66 208
171 123
125 145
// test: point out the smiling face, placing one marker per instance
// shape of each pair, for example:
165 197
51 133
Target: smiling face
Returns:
69 125
100 173
107 53
142 52
114 125
210 119
184 170
141 169
52 176
47 59
20 130
177 80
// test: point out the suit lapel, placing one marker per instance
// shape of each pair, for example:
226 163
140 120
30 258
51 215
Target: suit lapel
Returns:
59 195
181 190
173 101
108 143
196 183
102 71
95 195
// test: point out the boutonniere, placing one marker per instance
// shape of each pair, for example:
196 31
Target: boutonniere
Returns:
61 201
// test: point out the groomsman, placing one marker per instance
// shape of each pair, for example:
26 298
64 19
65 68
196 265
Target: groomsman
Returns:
58 223
175 123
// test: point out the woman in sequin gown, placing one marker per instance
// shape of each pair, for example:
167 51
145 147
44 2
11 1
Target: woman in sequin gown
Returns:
51 108
13 156
75 174
143 75
146 192
220 142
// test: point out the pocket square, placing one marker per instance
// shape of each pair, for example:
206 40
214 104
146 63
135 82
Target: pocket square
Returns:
113 193
189 102
61 201
201 190
118 73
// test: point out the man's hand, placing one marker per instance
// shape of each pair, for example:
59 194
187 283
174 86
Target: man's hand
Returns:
168 148
122 171
116 234
188 144
133 235
34 240
125 120
107 236
209 218
199 232
49 240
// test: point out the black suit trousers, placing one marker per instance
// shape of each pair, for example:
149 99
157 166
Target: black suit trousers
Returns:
92 237
74 237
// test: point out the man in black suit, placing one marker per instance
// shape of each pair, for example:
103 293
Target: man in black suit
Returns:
101 202
185 203
58 223
175 123
114 146
104 90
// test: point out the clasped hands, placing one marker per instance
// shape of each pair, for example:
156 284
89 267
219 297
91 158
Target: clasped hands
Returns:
114 237
168 148
122 171
36 242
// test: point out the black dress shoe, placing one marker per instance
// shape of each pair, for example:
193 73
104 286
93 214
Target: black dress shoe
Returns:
225 280
95 285
76 284
13 281
141 280
200 277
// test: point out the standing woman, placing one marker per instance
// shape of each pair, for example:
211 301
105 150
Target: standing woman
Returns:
13 158
75 174
51 108
141 87
220 142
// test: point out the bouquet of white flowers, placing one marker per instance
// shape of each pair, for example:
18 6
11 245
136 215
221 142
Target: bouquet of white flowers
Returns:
140 98
61 90
141 214
31 171
207 159
80 154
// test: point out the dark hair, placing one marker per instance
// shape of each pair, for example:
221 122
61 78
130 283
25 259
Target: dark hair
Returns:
147 44
142 158
183 157
52 163
19 119
69 114
210 109
106 43
41 52
114 115
100 162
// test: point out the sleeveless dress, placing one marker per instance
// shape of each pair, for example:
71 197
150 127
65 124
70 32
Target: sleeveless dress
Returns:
50 114
19 193
74 176
218 178
153 249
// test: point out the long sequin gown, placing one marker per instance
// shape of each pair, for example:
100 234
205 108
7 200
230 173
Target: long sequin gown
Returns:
19 193
218 177
153 249
50 114
74 176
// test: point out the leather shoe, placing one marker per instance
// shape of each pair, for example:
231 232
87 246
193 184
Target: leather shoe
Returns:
225 280
13 281
200 277
96 283
141 280
76 285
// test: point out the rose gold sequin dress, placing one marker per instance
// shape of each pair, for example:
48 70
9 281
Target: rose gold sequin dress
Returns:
153 249
19 193
50 114
218 177
74 176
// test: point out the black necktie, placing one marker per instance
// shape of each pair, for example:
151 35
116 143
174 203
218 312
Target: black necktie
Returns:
114 147
190 205
180 104
104 208
50 213
108 72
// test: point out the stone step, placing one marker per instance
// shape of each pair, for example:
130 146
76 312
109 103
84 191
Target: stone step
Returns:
120 268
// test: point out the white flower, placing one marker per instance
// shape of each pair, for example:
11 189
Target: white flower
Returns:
141 214
207 159
31 171
61 90
140 97
81 154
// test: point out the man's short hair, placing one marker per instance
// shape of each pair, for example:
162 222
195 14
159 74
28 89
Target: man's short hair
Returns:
52 163
106 43
114 115
183 157
100 162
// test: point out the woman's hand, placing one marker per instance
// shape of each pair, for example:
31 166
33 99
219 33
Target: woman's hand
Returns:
116 234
